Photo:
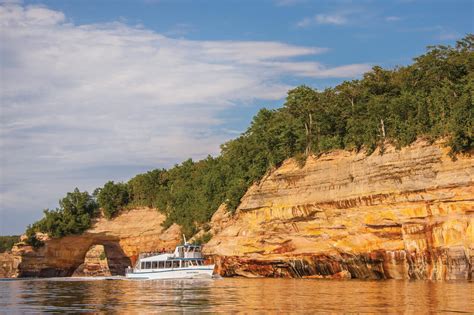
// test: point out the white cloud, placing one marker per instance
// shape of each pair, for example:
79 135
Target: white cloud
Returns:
349 70
305 22
76 98
328 19
392 18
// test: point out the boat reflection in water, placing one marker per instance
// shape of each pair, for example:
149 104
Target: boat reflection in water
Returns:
186 262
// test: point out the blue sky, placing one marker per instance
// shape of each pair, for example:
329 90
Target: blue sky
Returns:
101 90
384 32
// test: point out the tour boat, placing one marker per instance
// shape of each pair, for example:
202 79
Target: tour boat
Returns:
186 262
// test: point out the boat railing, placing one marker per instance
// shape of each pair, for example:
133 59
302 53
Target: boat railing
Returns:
149 254
178 254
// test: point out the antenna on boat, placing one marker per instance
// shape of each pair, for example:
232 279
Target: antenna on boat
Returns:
185 242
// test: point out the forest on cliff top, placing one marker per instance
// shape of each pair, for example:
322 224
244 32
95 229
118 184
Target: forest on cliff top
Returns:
432 98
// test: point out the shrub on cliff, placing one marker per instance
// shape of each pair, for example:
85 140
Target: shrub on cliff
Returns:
31 238
144 188
190 192
72 217
112 198
7 242
203 239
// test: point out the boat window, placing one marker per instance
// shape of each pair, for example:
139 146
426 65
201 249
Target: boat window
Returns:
175 264
199 262
168 264
143 265
148 265
161 264
154 265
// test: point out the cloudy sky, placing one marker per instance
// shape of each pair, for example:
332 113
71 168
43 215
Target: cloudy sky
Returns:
93 91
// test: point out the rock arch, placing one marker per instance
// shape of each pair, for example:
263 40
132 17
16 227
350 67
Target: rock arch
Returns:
105 259
124 237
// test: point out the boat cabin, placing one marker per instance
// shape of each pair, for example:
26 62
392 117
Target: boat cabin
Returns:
172 263
183 257
188 251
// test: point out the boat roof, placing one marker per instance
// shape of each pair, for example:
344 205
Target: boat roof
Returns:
157 257
166 257
188 245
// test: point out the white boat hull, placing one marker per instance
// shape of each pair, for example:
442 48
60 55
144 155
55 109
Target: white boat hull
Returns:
173 273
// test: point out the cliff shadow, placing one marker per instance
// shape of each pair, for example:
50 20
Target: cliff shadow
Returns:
117 259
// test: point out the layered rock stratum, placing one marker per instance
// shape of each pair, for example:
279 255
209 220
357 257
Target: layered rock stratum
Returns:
406 214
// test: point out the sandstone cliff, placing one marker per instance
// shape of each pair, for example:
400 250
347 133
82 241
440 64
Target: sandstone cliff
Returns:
123 238
404 214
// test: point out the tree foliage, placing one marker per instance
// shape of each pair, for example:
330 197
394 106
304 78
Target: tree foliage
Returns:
7 242
112 198
73 216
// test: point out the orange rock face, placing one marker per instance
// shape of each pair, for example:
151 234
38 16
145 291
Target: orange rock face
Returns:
123 238
406 214
95 263
7 265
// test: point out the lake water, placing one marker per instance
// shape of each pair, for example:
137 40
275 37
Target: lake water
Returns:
235 295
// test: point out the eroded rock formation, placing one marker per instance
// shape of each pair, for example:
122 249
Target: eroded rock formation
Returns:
404 214
7 265
95 263
123 238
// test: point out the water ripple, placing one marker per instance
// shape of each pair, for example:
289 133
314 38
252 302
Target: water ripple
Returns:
235 295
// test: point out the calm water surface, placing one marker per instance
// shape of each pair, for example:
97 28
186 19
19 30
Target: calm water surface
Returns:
235 295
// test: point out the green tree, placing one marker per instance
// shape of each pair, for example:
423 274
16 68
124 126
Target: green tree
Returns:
112 198
303 103
143 188
72 217
7 242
